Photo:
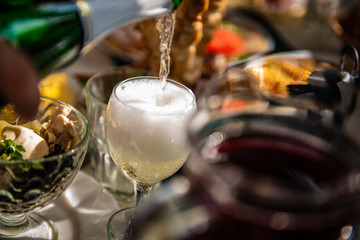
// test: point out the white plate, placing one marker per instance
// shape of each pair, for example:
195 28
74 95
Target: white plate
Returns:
82 211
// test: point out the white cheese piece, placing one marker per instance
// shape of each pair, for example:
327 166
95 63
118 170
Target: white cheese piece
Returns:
33 125
35 146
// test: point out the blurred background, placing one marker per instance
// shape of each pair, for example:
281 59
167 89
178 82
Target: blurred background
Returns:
323 27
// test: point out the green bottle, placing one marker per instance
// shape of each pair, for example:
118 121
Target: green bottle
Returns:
52 33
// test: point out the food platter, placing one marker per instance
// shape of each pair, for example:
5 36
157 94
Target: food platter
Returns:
126 43
273 76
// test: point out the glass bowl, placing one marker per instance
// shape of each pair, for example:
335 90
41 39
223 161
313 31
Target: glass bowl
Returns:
27 185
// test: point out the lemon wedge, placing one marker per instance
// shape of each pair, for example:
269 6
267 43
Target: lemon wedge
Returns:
59 86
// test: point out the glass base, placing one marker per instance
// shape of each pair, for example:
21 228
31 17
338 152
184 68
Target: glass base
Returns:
120 197
34 226
118 224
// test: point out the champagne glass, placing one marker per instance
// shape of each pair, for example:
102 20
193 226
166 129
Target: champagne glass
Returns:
145 129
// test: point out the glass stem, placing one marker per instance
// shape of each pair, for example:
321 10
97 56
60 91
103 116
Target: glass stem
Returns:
142 193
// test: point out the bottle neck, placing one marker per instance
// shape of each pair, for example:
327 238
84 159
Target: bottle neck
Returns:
176 3
101 17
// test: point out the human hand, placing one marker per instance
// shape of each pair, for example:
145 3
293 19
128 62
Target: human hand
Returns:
18 82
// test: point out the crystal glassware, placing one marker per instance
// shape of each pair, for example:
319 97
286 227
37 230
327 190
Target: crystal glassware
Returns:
145 130
118 224
276 164
28 185
98 90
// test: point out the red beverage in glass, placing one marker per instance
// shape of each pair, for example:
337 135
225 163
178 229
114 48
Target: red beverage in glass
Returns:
259 177
271 177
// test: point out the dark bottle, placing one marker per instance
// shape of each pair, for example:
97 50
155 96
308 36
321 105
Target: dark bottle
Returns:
52 33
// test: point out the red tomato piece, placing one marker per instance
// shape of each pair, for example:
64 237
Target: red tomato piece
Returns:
233 104
226 42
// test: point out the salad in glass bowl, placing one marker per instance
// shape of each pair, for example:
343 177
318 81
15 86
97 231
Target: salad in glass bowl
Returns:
38 161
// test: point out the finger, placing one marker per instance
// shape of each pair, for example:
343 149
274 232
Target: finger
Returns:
18 82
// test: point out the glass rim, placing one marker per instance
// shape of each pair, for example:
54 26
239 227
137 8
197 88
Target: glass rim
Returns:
113 216
83 141
152 78
96 76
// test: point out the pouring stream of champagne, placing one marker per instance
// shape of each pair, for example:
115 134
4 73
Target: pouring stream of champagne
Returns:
166 27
